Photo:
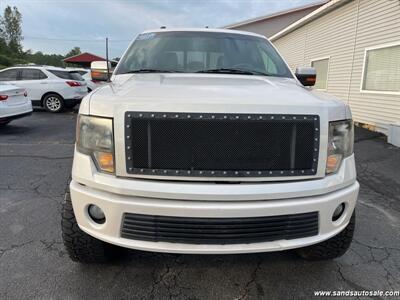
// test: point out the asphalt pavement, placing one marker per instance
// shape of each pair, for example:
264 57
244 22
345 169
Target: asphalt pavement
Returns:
35 163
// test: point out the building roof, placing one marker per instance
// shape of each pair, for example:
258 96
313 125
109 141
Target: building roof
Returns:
83 57
319 12
277 14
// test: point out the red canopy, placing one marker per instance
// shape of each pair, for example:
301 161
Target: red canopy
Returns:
83 58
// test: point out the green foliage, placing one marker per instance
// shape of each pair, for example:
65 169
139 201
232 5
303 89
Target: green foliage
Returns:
4 50
20 61
45 59
11 32
5 61
74 51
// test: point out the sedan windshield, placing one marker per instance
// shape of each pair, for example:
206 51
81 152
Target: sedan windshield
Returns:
202 52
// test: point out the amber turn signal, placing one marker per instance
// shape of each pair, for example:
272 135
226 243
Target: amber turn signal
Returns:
333 162
105 161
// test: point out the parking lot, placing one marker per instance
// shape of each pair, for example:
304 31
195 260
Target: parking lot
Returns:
35 163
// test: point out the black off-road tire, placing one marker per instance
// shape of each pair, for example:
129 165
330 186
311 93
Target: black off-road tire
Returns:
332 248
80 246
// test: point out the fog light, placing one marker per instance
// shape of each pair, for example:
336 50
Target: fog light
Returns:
96 213
338 212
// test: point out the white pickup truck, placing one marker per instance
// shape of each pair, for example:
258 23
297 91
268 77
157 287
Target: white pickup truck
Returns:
206 142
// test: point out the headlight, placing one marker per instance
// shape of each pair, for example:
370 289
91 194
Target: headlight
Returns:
340 144
94 137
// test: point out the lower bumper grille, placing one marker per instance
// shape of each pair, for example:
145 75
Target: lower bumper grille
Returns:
218 231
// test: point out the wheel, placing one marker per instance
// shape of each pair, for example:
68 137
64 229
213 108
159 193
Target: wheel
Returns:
80 246
53 103
332 248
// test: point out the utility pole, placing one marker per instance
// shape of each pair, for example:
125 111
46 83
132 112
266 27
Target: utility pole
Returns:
108 66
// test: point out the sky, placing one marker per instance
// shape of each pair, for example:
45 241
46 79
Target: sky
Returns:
56 26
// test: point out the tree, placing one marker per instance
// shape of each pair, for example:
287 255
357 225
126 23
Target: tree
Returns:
74 51
10 29
11 52
4 50
44 59
3 43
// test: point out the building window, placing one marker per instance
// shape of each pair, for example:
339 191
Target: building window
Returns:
382 69
321 67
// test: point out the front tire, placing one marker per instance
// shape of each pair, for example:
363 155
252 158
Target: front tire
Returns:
80 246
53 103
333 247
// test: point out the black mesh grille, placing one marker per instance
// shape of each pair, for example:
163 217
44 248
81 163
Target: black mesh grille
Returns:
218 230
178 144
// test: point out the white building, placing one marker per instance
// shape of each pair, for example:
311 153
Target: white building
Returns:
355 47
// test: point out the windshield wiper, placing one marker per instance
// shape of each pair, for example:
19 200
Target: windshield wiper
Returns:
150 71
233 71
227 71
220 70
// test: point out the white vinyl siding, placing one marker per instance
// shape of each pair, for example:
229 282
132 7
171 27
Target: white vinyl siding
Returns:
344 34
321 68
382 69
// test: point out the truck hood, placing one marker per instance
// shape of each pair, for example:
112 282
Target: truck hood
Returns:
217 93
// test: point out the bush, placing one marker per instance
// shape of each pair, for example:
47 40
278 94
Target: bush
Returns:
19 61
5 61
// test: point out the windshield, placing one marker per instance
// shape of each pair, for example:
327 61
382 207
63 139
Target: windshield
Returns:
204 52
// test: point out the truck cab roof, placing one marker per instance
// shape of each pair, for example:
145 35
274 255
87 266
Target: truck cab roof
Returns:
216 30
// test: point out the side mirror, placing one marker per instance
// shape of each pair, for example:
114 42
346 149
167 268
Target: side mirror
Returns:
306 75
98 70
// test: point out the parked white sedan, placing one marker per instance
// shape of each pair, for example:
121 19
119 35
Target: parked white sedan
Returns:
14 103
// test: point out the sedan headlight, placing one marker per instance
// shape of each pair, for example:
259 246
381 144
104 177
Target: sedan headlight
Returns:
94 137
340 144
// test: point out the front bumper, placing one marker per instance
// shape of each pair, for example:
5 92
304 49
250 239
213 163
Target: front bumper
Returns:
115 205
